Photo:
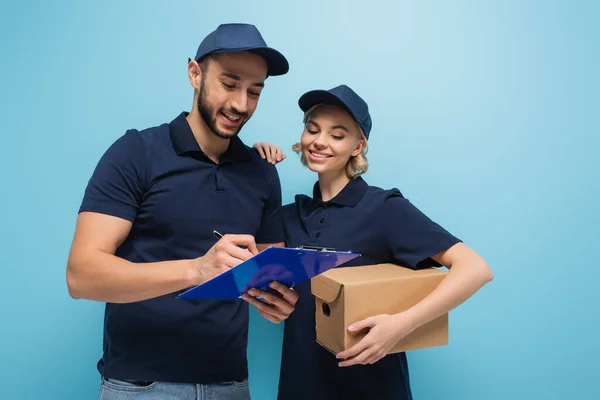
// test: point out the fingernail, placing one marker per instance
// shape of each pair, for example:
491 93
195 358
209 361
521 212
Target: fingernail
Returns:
351 328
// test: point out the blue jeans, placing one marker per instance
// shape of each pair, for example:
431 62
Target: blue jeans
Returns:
113 389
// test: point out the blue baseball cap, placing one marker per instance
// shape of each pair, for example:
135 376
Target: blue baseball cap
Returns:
344 97
232 38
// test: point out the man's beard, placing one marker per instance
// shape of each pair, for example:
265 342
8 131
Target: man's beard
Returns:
209 115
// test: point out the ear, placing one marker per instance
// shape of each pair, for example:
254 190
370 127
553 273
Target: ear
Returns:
194 74
359 147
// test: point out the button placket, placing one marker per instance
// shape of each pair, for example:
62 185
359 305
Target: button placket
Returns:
319 221
217 180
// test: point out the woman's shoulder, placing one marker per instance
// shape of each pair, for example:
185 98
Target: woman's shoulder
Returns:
300 201
378 193
392 204
388 203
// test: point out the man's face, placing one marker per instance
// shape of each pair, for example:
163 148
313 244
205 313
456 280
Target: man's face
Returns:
230 86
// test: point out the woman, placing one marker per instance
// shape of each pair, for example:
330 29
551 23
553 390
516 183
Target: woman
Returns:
347 214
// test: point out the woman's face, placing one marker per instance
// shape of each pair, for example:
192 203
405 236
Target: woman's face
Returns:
329 139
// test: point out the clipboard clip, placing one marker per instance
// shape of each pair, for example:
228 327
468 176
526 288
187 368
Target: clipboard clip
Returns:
319 248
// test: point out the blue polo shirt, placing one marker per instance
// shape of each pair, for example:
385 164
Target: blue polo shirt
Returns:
384 227
175 196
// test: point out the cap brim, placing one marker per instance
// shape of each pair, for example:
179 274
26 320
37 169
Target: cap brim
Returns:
314 97
277 63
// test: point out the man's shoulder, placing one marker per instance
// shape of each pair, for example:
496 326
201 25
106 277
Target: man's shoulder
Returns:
154 134
261 164
143 138
255 157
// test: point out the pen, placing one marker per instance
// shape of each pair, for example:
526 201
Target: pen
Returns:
219 236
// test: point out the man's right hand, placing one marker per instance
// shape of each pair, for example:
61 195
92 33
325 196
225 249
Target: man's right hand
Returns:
95 273
228 252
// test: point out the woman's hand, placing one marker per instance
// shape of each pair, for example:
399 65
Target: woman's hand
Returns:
384 332
269 152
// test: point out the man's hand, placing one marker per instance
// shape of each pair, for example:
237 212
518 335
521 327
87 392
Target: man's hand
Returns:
274 307
228 252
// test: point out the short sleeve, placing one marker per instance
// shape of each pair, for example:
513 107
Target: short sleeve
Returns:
271 229
117 185
412 236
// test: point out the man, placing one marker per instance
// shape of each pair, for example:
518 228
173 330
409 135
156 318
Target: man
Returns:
145 233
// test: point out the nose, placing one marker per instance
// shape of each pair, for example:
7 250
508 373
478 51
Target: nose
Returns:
240 101
320 141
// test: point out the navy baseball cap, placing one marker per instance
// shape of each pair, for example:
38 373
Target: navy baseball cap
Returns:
344 97
232 38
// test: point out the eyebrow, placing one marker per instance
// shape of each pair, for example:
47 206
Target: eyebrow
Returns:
237 78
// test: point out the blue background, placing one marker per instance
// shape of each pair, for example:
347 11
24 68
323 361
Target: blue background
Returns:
485 116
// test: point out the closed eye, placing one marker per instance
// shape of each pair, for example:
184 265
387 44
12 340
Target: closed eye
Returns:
226 86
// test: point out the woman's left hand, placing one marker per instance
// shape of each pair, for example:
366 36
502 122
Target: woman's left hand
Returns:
268 151
384 332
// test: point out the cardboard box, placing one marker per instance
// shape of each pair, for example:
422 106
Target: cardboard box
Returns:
350 294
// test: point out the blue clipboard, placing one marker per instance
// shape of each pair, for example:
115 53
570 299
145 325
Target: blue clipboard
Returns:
289 266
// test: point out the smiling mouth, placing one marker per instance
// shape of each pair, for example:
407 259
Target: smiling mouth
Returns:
233 118
319 155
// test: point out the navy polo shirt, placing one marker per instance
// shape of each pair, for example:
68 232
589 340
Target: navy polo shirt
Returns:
384 227
175 196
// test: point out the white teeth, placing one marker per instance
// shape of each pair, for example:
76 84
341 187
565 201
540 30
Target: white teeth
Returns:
317 155
231 117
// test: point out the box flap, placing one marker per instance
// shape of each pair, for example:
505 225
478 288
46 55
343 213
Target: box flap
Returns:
376 273
325 288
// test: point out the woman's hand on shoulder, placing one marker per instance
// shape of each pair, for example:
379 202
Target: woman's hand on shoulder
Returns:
270 152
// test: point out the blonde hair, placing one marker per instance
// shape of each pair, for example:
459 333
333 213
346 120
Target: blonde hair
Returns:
356 166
